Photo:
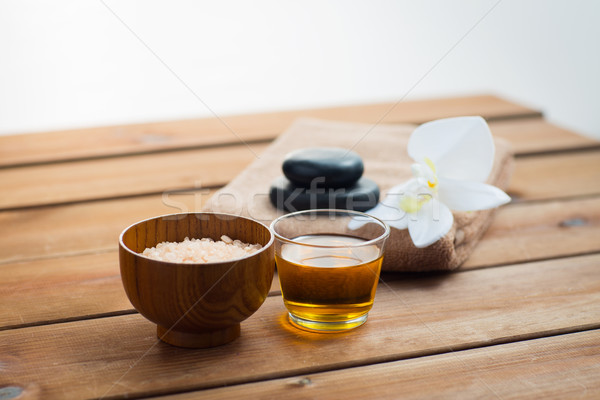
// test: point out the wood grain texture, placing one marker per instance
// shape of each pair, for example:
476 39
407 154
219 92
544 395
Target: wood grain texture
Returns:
412 317
55 288
69 228
535 177
139 138
67 329
126 176
536 135
534 231
558 367
85 227
61 289
66 288
545 176
196 305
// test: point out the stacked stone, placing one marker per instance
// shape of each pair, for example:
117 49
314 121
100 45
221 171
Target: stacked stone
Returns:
323 177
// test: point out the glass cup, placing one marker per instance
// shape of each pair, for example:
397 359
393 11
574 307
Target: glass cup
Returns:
328 262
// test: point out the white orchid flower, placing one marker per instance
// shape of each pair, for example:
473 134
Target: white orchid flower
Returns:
453 158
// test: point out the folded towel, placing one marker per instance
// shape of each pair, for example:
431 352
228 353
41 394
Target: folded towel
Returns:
383 150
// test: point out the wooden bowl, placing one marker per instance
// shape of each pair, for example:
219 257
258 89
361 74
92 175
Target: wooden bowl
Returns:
196 305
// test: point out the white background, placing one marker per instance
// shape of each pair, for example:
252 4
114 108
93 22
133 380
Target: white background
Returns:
67 64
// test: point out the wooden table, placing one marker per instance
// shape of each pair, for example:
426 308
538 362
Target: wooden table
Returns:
521 319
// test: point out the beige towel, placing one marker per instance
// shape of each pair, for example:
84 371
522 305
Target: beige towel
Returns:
383 150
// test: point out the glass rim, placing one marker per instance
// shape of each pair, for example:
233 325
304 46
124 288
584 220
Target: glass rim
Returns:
383 236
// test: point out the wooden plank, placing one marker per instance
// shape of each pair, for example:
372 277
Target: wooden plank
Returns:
556 175
84 228
560 367
126 176
561 175
62 289
129 139
65 289
571 226
120 356
55 288
535 135
535 177
534 231
68 276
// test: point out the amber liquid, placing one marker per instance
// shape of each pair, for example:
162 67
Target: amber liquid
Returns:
328 285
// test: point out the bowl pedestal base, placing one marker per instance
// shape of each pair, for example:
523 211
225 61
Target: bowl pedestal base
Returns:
198 340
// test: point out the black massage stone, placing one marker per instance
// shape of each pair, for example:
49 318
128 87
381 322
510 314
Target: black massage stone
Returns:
361 196
328 167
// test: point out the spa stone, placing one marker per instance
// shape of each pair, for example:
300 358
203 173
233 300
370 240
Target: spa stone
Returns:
361 196
333 167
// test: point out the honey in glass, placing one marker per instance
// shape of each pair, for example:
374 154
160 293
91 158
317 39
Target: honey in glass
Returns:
328 280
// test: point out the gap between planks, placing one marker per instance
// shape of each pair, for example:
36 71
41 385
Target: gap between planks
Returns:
539 177
109 314
121 177
449 375
528 135
69 228
89 284
129 139
276 290
411 318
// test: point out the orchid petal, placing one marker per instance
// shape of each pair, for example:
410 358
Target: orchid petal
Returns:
395 192
430 224
388 209
461 148
390 215
470 196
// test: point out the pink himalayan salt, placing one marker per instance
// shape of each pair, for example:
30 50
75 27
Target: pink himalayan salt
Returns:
201 250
